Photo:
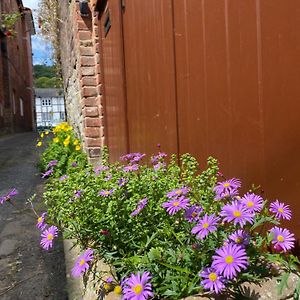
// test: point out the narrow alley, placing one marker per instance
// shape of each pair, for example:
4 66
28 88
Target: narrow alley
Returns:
27 271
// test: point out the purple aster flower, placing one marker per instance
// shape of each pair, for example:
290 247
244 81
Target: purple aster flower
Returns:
159 166
78 193
47 237
227 188
237 212
8 196
192 214
252 202
62 178
106 193
81 264
280 210
99 169
156 158
122 182
283 239
137 287
41 221
229 260
52 163
109 280
74 164
175 205
47 173
240 237
178 192
137 157
108 177
131 168
206 225
212 280
142 203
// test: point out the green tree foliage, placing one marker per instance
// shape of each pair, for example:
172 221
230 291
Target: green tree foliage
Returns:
46 77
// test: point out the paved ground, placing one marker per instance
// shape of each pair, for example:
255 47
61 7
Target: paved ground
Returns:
27 272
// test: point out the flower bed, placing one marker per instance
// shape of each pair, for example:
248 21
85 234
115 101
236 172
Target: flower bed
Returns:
168 230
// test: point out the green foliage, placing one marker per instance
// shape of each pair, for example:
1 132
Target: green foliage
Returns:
152 240
46 76
8 22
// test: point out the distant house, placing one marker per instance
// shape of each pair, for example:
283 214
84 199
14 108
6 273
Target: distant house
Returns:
16 79
49 107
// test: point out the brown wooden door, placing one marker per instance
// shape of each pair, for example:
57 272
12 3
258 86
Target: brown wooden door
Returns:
113 78
150 75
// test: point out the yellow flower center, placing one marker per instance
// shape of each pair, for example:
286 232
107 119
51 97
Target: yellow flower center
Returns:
250 203
118 290
280 238
280 210
138 289
176 203
106 192
50 236
194 214
229 259
40 219
237 213
212 276
178 192
205 225
225 185
82 262
239 240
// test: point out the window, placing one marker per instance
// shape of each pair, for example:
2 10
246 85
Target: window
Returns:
47 116
46 102
21 107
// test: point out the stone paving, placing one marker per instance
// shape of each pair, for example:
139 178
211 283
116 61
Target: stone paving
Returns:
26 271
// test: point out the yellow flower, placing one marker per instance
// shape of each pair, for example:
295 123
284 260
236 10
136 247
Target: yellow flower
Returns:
39 144
68 137
75 142
118 290
106 286
56 140
77 148
66 142
42 135
47 132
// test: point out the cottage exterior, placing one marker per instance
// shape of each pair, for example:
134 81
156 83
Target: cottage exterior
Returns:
49 107
198 76
16 79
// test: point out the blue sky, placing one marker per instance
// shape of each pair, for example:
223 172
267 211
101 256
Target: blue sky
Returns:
41 50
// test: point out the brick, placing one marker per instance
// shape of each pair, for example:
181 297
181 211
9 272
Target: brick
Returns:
88 43
93 132
89 81
84 35
93 142
89 91
92 122
87 71
84 25
90 102
94 152
87 51
90 112
87 60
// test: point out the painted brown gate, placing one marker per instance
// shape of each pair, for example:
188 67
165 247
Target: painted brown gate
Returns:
208 77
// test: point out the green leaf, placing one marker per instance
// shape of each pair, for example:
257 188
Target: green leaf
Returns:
176 268
283 282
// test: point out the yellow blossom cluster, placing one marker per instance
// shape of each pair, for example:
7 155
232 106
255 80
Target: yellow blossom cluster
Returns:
63 134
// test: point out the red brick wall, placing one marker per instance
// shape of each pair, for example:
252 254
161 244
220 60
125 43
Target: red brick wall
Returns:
16 76
81 74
